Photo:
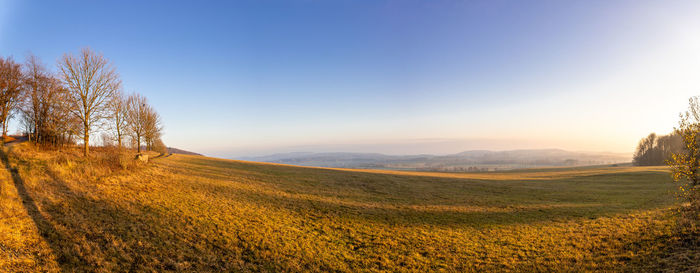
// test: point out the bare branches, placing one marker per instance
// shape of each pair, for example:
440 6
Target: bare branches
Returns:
44 110
10 90
153 128
83 95
143 122
136 116
118 116
91 82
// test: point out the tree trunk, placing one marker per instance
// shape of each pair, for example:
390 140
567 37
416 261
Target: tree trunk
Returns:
36 132
4 131
138 144
87 143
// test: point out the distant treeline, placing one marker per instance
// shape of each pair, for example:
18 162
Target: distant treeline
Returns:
654 150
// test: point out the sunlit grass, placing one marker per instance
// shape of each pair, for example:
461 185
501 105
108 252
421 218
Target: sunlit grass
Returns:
191 213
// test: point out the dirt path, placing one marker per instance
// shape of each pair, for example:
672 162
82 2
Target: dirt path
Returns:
17 140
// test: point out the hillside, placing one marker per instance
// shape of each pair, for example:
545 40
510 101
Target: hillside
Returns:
477 160
199 214
173 150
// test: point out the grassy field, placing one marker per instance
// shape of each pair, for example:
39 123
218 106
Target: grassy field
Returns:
192 213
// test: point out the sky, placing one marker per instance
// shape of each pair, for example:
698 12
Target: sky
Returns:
244 78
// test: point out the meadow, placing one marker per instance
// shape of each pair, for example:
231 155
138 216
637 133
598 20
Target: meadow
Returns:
63 213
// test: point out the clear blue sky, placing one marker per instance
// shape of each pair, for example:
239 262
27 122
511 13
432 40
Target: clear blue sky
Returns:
235 78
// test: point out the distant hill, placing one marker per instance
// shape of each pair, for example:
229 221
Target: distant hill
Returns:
173 150
476 160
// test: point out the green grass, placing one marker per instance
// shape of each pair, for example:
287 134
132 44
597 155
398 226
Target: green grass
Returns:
191 213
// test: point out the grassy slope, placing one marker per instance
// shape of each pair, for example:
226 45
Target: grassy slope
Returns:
202 214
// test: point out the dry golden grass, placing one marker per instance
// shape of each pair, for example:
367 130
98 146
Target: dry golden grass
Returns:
192 213
522 174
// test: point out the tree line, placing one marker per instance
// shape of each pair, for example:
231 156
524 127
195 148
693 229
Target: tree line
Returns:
679 150
655 150
82 97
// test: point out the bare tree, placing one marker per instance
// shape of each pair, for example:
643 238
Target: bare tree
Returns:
10 90
137 112
118 110
153 127
43 109
91 81
160 147
33 108
61 125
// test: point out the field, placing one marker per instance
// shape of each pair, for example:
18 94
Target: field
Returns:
192 213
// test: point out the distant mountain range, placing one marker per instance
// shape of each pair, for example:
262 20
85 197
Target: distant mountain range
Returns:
477 160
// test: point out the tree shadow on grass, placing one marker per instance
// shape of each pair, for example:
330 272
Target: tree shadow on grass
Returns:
88 234
401 214
595 195
46 229
128 237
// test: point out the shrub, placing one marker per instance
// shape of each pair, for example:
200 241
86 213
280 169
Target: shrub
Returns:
117 159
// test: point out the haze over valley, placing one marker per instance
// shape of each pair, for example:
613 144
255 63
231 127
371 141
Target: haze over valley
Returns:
477 160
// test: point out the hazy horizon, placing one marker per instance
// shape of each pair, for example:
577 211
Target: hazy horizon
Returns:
255 78
398 148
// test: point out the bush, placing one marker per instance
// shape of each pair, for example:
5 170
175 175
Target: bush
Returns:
117 159
69 161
